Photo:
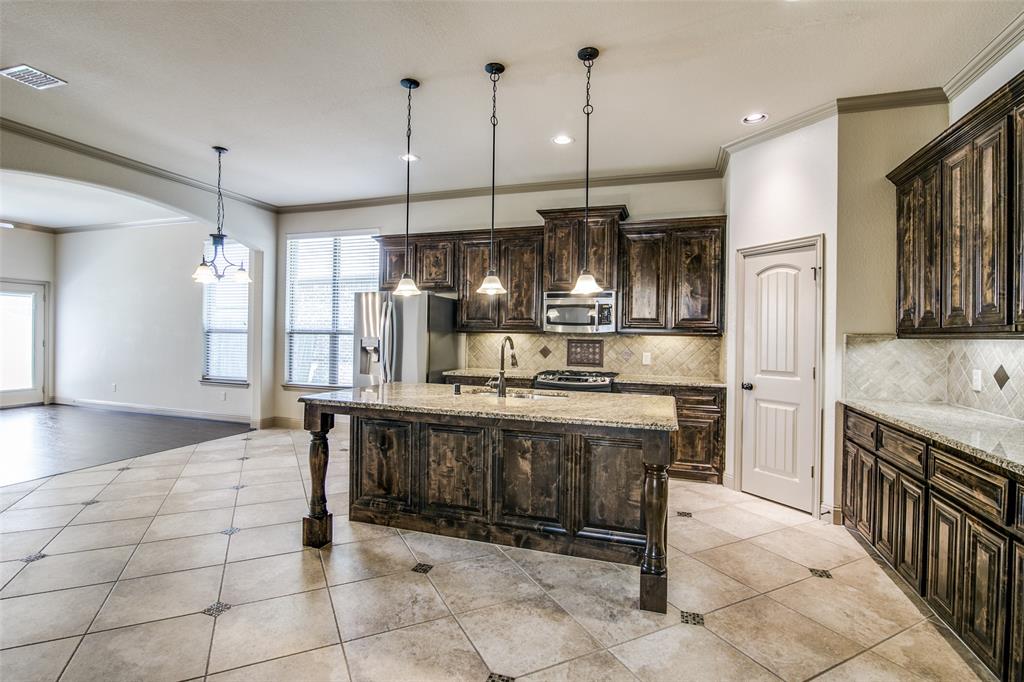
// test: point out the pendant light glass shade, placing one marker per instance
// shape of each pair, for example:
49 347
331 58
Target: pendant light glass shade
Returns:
586 284
491 285
406 287
241 276
204 274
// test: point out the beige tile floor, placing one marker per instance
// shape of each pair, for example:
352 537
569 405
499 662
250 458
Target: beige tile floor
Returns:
134 552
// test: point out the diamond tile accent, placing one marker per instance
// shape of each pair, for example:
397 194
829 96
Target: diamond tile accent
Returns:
422 568
33 557
691 618
685 515
231 531
820 573
1001 377
216 608
237 487
243 458
495 677
544 353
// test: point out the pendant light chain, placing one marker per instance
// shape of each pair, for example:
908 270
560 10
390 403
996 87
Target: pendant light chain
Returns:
495 77
408 173
220 195
588 109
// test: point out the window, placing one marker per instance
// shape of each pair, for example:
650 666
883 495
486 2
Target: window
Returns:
323 274
226 322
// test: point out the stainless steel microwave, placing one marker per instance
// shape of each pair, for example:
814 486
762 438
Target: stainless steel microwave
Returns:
579 313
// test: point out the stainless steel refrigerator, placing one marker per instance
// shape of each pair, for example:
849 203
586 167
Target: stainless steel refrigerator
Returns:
403 338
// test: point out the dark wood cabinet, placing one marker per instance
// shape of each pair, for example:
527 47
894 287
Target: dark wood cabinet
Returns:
1015 670
671 276
519 253
960 264
850 489
983 592
886 510
392 262
455 469
942 577
563 245
866 495
476 312
699 444
433 259
385 463
910 530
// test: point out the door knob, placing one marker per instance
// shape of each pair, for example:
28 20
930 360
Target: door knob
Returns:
747 386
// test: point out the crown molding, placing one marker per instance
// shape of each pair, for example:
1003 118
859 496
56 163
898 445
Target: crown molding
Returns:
1000 46
788 125
27 226
45 137
153 222
891 100
576 183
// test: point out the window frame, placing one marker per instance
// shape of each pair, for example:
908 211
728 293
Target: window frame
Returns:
204 378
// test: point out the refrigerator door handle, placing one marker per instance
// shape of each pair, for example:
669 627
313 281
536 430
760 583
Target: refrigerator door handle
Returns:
387 341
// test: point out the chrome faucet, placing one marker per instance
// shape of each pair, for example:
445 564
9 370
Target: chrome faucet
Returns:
501 369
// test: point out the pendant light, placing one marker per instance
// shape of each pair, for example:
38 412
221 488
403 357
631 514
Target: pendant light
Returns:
586 284
492 284
406 285
219 267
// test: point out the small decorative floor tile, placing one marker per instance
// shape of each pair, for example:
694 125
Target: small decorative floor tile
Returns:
124 468
88 502
216 608
231 531
820 573
495 677
237 487
691 618
685 515
243 458
424 568
33 557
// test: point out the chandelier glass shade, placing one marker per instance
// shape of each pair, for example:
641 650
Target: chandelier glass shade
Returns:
218 267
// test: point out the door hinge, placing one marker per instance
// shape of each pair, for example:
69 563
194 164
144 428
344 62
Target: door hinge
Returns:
814 271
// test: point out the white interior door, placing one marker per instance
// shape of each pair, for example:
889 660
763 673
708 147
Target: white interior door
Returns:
779 334
22 347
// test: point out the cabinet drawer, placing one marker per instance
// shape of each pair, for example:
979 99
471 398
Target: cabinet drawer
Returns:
698 400
983 491
901 449
861 430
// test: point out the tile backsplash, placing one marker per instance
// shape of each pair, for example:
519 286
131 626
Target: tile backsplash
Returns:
882 367
696 356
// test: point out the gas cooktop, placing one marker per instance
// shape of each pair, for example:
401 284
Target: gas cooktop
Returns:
572 379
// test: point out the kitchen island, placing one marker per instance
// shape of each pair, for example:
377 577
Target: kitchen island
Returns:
579 474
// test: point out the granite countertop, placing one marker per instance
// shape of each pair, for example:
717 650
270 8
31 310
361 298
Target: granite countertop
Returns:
652 379
655 413
995 439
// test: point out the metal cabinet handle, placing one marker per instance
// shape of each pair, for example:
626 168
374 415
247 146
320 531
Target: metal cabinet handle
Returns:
747 386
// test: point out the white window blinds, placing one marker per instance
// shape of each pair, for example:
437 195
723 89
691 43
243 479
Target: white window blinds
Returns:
323 275
226 321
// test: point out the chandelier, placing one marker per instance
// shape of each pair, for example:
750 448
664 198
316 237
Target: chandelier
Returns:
219 267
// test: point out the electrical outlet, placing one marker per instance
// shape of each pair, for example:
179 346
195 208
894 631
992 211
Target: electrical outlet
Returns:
223 395
646 359
976 380
113 388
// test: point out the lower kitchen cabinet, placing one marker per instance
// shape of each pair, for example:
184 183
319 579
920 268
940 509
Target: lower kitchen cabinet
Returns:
948 529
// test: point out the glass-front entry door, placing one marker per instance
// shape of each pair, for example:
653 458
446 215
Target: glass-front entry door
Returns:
22 346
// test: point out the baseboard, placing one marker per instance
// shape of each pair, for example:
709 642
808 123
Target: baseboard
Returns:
152 409
293 423
729 481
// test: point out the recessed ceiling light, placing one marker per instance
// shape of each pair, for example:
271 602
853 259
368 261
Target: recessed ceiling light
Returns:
34 78
409 157
562 138
754 118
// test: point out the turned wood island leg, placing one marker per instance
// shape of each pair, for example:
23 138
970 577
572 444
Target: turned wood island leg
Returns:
654 567
318 526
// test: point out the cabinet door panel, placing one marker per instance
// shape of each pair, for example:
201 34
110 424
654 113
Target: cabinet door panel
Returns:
435 265
602 250
454 471
612 482
384 452
930 238
528 490
984 592
645 281
908 255
1016 671
866 495
990 301
476 311
392 264
694 267
910 531
945 526
1018 227
696 444
850 458
561 248
887 482
520 271
957 227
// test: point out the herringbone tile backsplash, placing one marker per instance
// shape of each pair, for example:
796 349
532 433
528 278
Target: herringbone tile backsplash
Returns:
696 356
882 367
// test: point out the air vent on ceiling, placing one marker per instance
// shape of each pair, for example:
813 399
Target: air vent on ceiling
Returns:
23 73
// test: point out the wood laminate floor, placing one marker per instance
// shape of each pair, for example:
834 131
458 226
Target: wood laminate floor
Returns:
45 440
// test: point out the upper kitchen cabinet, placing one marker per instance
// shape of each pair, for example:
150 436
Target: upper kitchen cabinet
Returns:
960 264
563 245
519 254
670 276
433 258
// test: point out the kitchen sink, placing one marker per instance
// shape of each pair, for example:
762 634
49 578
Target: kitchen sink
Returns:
515 393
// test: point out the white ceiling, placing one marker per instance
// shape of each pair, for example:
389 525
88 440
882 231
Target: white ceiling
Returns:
306 94
50 202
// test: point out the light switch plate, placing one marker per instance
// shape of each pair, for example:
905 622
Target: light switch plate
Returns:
646 359
976 380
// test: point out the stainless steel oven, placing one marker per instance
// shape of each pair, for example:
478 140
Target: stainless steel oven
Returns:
579 314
